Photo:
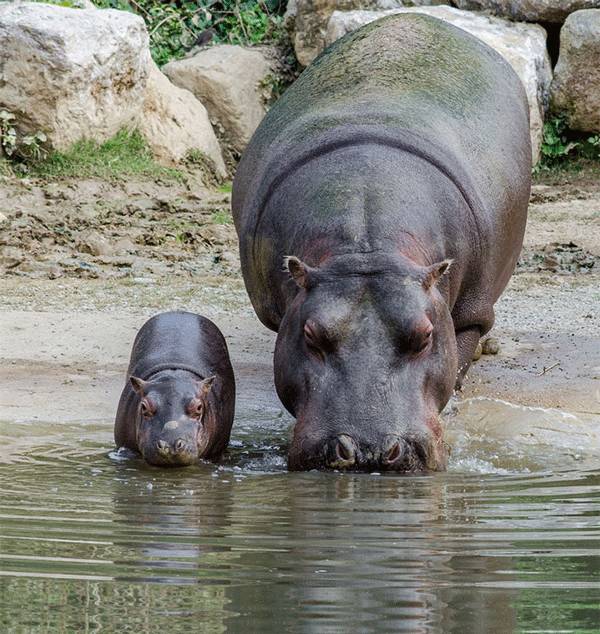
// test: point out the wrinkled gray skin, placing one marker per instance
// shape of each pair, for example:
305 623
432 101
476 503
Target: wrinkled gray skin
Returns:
380 209
178 402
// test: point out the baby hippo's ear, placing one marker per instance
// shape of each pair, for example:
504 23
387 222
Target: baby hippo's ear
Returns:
435 271
138 385
301 273
205 386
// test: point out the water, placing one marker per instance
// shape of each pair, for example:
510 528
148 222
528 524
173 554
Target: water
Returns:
507 540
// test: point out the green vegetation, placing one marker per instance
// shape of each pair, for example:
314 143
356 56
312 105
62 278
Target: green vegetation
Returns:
6 168
564 149
221 217
72 4
125 154
177 26
27 147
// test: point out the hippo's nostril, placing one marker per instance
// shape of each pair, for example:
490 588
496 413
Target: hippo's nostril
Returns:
162 446
340 452
393 453
179 445
345 448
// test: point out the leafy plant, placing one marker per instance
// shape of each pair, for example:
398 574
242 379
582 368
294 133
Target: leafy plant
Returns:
560 145
27 147
554 141
8 132
590 147
177 26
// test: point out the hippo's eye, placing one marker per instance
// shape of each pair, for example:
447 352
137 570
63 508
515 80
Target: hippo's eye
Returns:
146 407
310 333
313 339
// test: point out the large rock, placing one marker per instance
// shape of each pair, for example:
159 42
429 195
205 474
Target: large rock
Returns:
72 73
229 80
308 20
529 10
175 123
522 45
576 86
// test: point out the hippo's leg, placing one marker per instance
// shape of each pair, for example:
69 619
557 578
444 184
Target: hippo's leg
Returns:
466 344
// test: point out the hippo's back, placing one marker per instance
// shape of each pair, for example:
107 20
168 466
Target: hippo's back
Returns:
406 80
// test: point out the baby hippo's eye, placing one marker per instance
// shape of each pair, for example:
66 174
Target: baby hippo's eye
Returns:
421 338
196 408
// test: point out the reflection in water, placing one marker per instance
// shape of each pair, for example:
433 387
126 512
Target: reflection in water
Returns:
92 544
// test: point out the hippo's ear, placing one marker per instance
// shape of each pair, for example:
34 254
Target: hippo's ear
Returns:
435 271
300 272
138 385
205 386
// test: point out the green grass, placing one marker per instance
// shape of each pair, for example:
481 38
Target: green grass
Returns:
126 154
61 3
226 187
221 217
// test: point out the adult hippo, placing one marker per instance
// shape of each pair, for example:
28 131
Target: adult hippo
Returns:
380 208
179 398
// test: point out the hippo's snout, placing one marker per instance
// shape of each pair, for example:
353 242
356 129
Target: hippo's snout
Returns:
343 452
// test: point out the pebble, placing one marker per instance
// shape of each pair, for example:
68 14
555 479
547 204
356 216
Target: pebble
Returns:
491 346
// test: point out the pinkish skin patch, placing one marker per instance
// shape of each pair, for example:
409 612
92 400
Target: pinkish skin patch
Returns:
411 248
438 454
320 250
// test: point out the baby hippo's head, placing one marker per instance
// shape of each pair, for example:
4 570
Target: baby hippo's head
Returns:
177 418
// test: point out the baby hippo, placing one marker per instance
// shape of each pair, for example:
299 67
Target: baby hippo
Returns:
179 399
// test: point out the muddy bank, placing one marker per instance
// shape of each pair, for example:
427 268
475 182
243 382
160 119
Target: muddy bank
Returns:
67 328
94 229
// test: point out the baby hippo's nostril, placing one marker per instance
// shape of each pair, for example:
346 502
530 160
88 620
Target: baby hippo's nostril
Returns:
179 445
162 446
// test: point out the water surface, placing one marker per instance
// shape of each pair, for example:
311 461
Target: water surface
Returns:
507 540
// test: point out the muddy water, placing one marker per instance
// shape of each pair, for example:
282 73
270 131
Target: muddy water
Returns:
507 540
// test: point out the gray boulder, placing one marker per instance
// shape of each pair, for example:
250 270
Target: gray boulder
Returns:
529 10
175 124
71 73
576 86
83 73
230 81
522 45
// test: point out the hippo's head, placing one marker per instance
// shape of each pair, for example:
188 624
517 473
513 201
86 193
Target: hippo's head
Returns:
365 360
176 421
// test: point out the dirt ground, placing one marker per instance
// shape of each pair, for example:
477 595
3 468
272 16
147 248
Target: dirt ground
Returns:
84 263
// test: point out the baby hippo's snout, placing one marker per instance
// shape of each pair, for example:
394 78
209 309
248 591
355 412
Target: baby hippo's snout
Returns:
393 453
175 445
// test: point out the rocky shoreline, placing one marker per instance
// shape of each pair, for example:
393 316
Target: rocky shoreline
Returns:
209 103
